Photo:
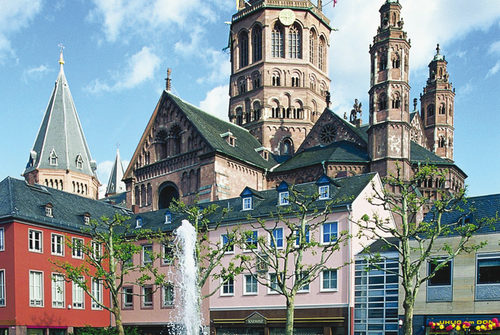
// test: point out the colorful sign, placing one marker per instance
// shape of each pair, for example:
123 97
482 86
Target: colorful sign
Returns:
466 323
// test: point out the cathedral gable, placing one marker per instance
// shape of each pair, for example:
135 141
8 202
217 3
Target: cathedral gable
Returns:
331 128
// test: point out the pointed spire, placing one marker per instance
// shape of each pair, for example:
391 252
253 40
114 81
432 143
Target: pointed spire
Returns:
115 183
438 55
61 58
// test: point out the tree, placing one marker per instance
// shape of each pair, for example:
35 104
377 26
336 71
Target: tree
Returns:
277 260
107 260
417 240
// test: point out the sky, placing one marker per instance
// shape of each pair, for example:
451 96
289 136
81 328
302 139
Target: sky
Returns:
117 53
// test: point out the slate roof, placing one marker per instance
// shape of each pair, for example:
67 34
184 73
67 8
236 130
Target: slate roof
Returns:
212 127
343 191
61 132
473 210
24 202
342 152
115 183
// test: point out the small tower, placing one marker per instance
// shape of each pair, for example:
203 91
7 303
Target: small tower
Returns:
115 183
437 108
60 157
279 70
389 132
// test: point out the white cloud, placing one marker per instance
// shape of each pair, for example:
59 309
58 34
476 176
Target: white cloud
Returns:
140 68
493 70
35 72
217 102
427 23
219 67
15 15
494 48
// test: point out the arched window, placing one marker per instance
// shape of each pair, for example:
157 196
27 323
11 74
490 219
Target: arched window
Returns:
295 80
382 102
442 142
256 43
256 110
243 43
256 80
430 110
321 53
176 140
167 192
242 85
294 42
149 196
248 114
143 195
382 61
312 47
287 146
275 109
239 116
313 83
396 101
442 109
276 79
277 41
396 62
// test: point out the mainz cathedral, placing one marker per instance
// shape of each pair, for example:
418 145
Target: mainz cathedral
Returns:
280 126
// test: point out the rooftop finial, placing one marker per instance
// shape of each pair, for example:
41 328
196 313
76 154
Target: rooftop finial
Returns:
168 79
437 49
61 59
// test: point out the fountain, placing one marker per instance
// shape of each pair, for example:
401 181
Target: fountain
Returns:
189 314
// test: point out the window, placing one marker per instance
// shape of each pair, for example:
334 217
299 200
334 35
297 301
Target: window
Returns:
168 217
442 276
252 240
488 268
147 296
324 192
312 46
48 211
78 295
58 290
36 288
79 162
138 222
57 244
276 80
167 254
329 232
96 250
226 243
35 240
430 110
168 295
2 239
247 203
304 288
295 81
257 43
2 288
294 42
147 254
273 283
243 41
277 45
321 54
86 219
77 246
329 280
277 238
228 287
128 297
250 284
53 158
96 291
284 198
297 233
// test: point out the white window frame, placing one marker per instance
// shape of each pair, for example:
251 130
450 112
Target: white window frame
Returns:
144 254
57 241
256 242
222 244
2 239
228 286
441 260
324 192
284 198
481 257
48 211
168 218
3 298
270 290
308 236
322 288
165 302
35 239
305 288
245 291
164 248
36 291
96 291
323 236
58 290
247 203
96 249
77 252
282 238
125 294
78 295
144 303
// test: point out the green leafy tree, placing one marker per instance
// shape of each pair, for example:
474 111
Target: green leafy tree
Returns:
107 260
415 240
278 262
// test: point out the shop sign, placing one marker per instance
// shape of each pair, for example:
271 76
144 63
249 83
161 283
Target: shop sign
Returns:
467 322
255 319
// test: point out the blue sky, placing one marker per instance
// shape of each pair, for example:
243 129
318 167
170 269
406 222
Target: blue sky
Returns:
117 53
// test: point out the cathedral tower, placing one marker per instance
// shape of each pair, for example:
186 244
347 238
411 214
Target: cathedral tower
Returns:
437 108
389 131
60 157
279 70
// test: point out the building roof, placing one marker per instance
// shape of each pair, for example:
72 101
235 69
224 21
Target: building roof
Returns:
24 202
211 128
61 135
115 182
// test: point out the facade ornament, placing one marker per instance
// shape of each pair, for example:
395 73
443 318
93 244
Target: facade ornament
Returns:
356 108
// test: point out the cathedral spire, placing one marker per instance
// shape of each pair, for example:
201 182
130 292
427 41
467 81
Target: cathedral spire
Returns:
115 183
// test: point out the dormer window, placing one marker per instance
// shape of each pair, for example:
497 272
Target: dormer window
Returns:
53 158
283 195
138 222
324 192
247 203
264 153
79 162
168 217
48 210
229 137
86 218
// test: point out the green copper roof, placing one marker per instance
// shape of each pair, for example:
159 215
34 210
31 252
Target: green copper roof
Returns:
60 143
211 128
